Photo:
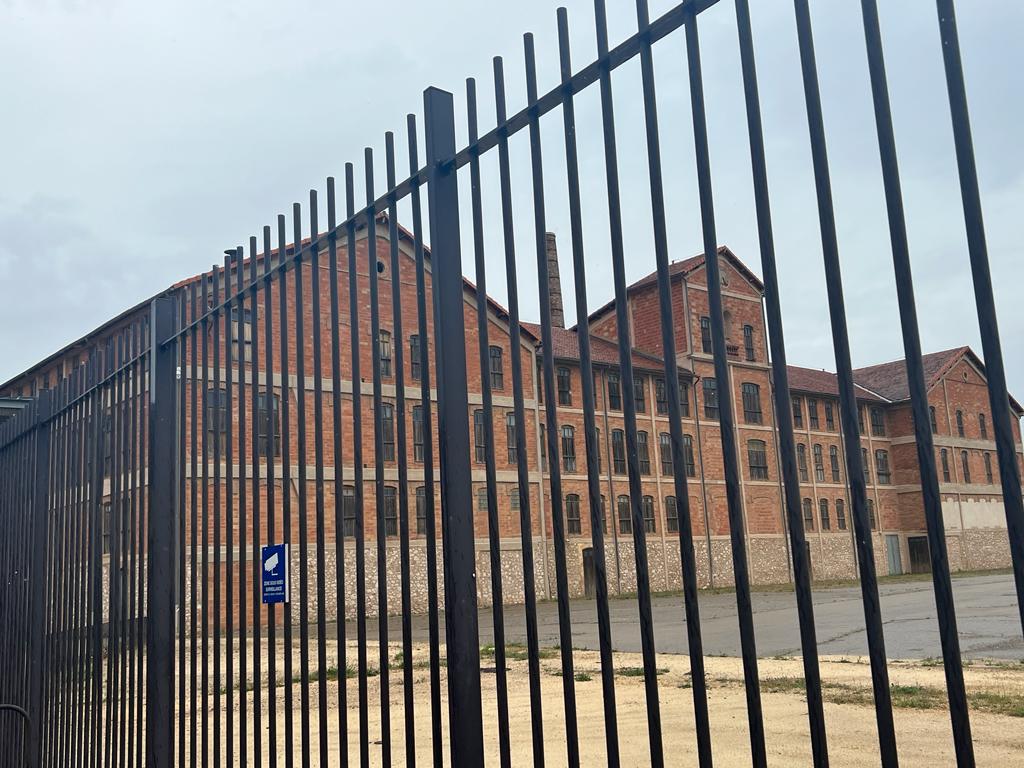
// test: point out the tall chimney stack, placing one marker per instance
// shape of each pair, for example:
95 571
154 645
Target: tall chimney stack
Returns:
554 282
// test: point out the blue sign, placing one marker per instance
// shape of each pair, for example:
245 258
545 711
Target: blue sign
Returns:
274 562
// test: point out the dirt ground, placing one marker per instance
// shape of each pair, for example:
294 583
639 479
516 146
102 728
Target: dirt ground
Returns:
996 692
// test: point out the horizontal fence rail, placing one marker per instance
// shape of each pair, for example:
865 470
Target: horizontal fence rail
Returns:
222 529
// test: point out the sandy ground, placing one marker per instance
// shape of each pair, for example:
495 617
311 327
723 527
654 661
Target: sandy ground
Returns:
922 720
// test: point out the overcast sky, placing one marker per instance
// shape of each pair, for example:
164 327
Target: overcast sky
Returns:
140 139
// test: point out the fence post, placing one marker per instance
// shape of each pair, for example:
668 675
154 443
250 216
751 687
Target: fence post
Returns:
37 575
160 545
453 433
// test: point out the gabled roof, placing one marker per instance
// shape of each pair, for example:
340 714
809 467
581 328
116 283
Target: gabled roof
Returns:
603 351
677 270
815 381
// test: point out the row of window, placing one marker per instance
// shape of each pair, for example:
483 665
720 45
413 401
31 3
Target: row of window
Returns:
707 347
825 516
567 444
982 423
877 416
965 467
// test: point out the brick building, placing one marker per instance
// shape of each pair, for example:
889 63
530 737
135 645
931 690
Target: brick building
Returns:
972 503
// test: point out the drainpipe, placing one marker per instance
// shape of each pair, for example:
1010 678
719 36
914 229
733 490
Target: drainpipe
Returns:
778 451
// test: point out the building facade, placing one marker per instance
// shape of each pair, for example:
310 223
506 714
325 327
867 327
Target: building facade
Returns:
965 450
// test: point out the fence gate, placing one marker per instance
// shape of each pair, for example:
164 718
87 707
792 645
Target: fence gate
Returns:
140 493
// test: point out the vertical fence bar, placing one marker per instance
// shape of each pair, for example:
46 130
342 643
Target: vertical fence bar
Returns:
257 539
523 469
847 395
227 400
193 348
239 328
160 546
977 248
37 574
453 432
270 454
924 442
587 380
182 376
783 407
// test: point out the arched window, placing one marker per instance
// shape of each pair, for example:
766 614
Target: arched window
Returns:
625 516
801 462
568 448
665 452
840 515
988 468
647 507
826 524
833 457
966 466
819 464
960 423
757 456
643 453
618 452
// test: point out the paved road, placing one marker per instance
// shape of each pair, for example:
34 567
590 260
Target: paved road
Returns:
989 622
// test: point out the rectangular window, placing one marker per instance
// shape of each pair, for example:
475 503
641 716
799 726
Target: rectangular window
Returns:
826 523
819 464
385 353
597 443
671 515
643 453
808 510
481 499
390 511
684 399
860 419
705 335
618 452
988 468
867 465
625 517
510 437
748 341
752 403
415 363
757 455
417 433
872 520
944 455
812 413
960 423
801 462
614 392
348 511
982 426
573 523
877 422
421 511
691 465
639 396
882 467
387 424
710 398
106 527
647 507
564 391
604 515
965 466
268 420
497 368
216 420
479 438
568 448
660 396
830 416
840 515
833 457
665 451
242 332
932 419
798 412
514 501
543 447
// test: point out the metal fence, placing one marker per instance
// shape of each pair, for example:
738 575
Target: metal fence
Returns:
215 426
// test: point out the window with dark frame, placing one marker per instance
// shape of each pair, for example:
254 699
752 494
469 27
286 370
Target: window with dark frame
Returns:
665 454
417 433
216 421
614 391
387 425
573 522
710 397
385 353
415 367
242 332
543 447
860 419
808 509
625 517
604 515
660 396
671 515
812 413
647 507
639 396
877 422
643 453
931 418
106 524
965 465
705 335
421 511
988 468
798 411
510 437
944 456
757 456
872 520
801 462
481 499
564 386
830 416
826 524
983 426
390 511
882 471
867 465
268 424
748 342
691 465
568 448
960 423
833 458
597 442
497 368
819 464
751 403
514 499
840 515
479 437
348 511
618 452
684 399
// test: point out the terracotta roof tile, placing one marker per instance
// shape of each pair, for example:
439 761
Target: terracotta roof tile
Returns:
819 382
890 379
603 351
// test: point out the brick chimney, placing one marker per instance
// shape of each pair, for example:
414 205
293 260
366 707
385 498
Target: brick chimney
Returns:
554 282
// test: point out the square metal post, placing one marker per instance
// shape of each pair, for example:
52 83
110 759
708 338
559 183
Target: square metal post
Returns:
453 433
161 545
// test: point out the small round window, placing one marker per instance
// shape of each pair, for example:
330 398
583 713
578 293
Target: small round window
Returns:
380 267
